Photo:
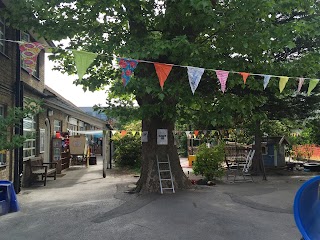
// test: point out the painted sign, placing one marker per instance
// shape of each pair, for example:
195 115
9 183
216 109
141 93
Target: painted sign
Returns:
162 136
144 136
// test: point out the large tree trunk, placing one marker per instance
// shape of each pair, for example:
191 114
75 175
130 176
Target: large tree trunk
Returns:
257 162
149 179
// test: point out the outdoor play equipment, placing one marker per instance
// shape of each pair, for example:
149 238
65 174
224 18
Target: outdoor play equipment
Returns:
307 209
8 198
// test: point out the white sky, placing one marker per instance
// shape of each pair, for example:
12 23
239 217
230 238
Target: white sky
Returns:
63 84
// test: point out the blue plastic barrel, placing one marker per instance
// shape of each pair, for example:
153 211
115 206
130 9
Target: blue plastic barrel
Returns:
8 198
307 209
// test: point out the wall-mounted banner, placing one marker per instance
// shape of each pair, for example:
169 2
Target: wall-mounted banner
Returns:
162 136
144 136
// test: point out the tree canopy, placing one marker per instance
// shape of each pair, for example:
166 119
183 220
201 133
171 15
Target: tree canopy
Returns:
280 38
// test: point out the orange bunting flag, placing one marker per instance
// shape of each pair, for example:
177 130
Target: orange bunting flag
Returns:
196 132
123 133
163 71
244 76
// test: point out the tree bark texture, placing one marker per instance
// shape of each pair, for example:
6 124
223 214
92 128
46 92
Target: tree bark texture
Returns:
257 162
149 178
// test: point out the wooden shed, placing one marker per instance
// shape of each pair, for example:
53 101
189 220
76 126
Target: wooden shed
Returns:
273 151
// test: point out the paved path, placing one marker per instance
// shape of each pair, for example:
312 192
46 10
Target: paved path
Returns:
81 204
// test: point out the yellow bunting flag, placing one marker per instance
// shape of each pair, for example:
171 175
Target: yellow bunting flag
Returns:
83 60
134 133
312 84
282 83
140 133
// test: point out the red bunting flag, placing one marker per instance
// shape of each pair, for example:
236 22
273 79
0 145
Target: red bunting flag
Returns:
163 71
244 76
123 133
196 132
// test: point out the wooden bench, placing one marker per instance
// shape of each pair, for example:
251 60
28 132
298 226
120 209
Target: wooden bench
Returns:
38 167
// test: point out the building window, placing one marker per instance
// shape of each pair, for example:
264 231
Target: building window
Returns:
41 139
25 37
29 131
3 152
57 125
264 150
73 128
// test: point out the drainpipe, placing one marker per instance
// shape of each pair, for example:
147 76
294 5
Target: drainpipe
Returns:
18 130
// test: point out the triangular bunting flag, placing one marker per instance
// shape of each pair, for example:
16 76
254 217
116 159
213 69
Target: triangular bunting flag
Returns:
282 83
194 136
194 75
188 132
29 54
134 133
83 60
301 81
114 132
244 76
196 132
140 133
123 133
312 84
163 71
223 77
204 132
127 66
202 135
266 80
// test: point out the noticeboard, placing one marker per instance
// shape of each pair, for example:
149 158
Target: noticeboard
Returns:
77 144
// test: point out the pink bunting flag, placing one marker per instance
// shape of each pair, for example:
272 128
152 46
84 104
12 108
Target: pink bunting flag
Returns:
223 77
301 81
29 54
244 76
163 71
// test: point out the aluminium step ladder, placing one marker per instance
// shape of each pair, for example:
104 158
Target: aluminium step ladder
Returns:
165 167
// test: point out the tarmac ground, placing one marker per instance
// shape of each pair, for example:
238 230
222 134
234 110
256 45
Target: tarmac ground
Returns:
81 204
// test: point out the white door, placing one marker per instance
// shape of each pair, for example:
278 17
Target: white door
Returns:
275 157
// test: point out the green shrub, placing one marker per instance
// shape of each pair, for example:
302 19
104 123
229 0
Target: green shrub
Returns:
209 161
127 151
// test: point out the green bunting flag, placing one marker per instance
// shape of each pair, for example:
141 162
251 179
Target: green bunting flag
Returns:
312 84
83 60
282 83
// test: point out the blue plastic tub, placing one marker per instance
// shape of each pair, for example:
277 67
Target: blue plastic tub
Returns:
307 209
8 198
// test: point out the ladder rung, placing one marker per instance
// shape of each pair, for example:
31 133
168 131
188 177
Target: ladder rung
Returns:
164 170
166 179
164 162
167 188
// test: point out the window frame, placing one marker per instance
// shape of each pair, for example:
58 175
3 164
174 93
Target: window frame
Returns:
3 154
55 129
29 145
42 134
2 35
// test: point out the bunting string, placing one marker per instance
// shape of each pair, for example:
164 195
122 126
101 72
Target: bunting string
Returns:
84 59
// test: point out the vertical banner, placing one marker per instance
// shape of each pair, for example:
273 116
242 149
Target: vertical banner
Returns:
162 136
